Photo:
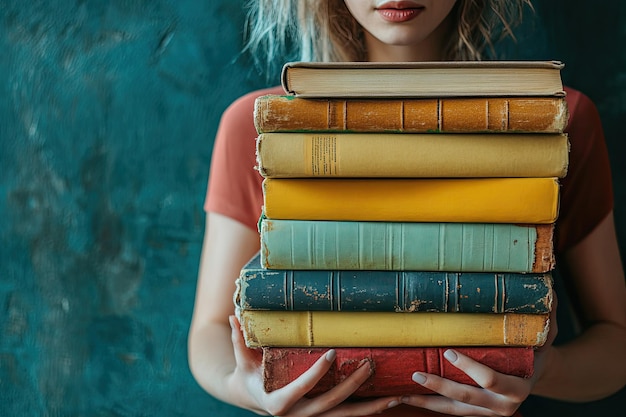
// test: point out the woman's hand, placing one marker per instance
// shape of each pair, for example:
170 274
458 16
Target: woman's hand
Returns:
290 400
497 394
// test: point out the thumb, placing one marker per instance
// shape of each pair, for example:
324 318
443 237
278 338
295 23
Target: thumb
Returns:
248 359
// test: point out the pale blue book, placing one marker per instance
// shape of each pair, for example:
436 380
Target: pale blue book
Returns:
462 247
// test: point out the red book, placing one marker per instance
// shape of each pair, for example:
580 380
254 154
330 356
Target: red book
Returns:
393 367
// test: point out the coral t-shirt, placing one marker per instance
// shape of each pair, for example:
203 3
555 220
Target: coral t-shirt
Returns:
234 188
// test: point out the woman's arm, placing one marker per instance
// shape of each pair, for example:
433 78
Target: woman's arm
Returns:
593 365
228 370
227 246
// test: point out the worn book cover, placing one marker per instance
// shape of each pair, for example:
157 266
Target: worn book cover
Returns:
393 367
260 288
411 155
389 329
281 113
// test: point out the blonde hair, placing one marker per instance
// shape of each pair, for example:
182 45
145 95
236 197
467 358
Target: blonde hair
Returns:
324 30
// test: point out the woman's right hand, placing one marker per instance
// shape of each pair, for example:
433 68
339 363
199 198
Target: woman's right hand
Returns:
290 400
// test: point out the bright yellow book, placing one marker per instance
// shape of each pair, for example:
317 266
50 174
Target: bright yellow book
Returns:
470 200
380 329
293 155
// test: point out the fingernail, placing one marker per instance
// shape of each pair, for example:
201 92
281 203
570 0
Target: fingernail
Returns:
450 355
419 378
231 321
367 362
330 355
393 403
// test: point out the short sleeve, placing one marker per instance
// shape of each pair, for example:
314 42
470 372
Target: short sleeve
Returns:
586 192
234 186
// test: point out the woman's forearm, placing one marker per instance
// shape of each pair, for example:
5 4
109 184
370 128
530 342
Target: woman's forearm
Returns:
213 364
228 245
593 365
589 368
211 359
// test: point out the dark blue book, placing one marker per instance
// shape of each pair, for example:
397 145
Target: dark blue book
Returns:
259 288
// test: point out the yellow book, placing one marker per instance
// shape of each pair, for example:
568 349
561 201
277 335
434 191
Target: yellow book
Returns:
380 329
285 155
469 200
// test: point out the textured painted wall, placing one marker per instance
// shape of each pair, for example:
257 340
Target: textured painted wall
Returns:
107 116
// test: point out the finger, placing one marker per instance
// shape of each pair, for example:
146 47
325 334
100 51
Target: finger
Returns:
454 396
295 390
498 393
363 408
245 357
341 391
514 388
445 405
348 386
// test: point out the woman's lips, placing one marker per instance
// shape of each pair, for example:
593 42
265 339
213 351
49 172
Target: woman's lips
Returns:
399 11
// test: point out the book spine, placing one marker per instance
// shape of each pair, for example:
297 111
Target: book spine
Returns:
469 200
392 367
402 292
293 155
406 246
275 113
385 329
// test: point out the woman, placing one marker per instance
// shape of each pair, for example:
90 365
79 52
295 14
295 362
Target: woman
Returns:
587 251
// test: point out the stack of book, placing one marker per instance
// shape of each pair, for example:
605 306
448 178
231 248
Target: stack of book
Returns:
408 208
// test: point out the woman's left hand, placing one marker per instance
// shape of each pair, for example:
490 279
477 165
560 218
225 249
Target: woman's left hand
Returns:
497 394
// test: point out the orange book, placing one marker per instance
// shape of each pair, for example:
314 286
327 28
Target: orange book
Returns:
276 113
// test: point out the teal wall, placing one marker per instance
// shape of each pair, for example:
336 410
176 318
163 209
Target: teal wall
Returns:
107 117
